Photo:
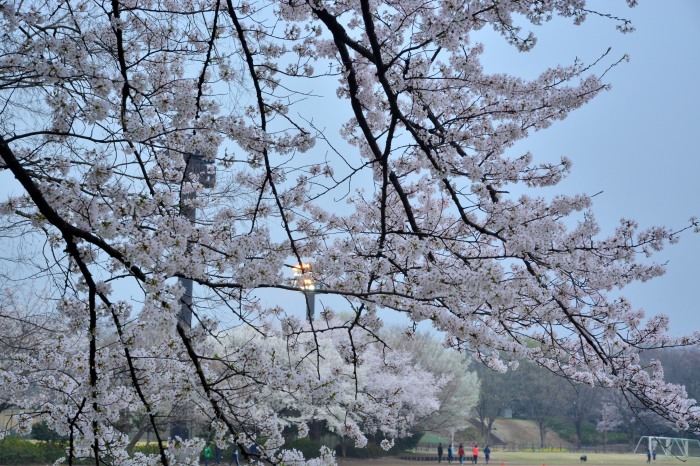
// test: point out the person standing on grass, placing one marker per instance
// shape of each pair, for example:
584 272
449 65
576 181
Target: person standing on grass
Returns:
440 452
234 456
253 450
207 454
487 454
475 453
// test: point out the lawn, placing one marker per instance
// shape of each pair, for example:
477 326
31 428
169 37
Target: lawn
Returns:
543 458
608 459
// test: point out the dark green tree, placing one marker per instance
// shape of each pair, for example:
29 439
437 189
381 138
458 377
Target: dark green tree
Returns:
538 395
581 405
495 394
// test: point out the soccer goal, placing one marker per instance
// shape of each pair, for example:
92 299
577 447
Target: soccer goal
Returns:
667 446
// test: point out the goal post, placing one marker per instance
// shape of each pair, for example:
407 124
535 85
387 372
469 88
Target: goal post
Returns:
667 446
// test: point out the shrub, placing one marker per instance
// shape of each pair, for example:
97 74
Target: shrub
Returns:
41 431
589 434
14 450
309 448
405 443
370 451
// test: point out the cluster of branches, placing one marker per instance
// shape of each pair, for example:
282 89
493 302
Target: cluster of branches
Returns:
105 108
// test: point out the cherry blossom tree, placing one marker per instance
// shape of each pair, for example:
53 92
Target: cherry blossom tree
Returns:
362 136
378 395
38 368
460 392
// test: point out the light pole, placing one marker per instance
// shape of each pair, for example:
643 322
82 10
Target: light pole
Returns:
196 169
305 280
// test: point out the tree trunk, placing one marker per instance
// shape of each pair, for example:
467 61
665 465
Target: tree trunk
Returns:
315 429
577 424
489 429
543 433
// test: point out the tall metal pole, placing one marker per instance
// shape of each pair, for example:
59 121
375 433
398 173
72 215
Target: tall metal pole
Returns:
196 169
188 211
310 304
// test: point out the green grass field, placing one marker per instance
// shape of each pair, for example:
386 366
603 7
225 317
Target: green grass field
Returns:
608 459
542 458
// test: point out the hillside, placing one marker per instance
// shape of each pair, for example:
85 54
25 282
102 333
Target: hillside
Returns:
518 431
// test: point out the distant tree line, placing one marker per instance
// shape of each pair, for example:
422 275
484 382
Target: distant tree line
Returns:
582 414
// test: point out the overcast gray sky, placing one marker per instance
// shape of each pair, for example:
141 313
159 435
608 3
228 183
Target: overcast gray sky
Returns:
638 143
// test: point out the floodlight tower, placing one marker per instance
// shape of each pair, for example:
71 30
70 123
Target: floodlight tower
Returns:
305 280
197 168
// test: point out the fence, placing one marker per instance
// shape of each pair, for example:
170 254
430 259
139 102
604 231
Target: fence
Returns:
613 448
